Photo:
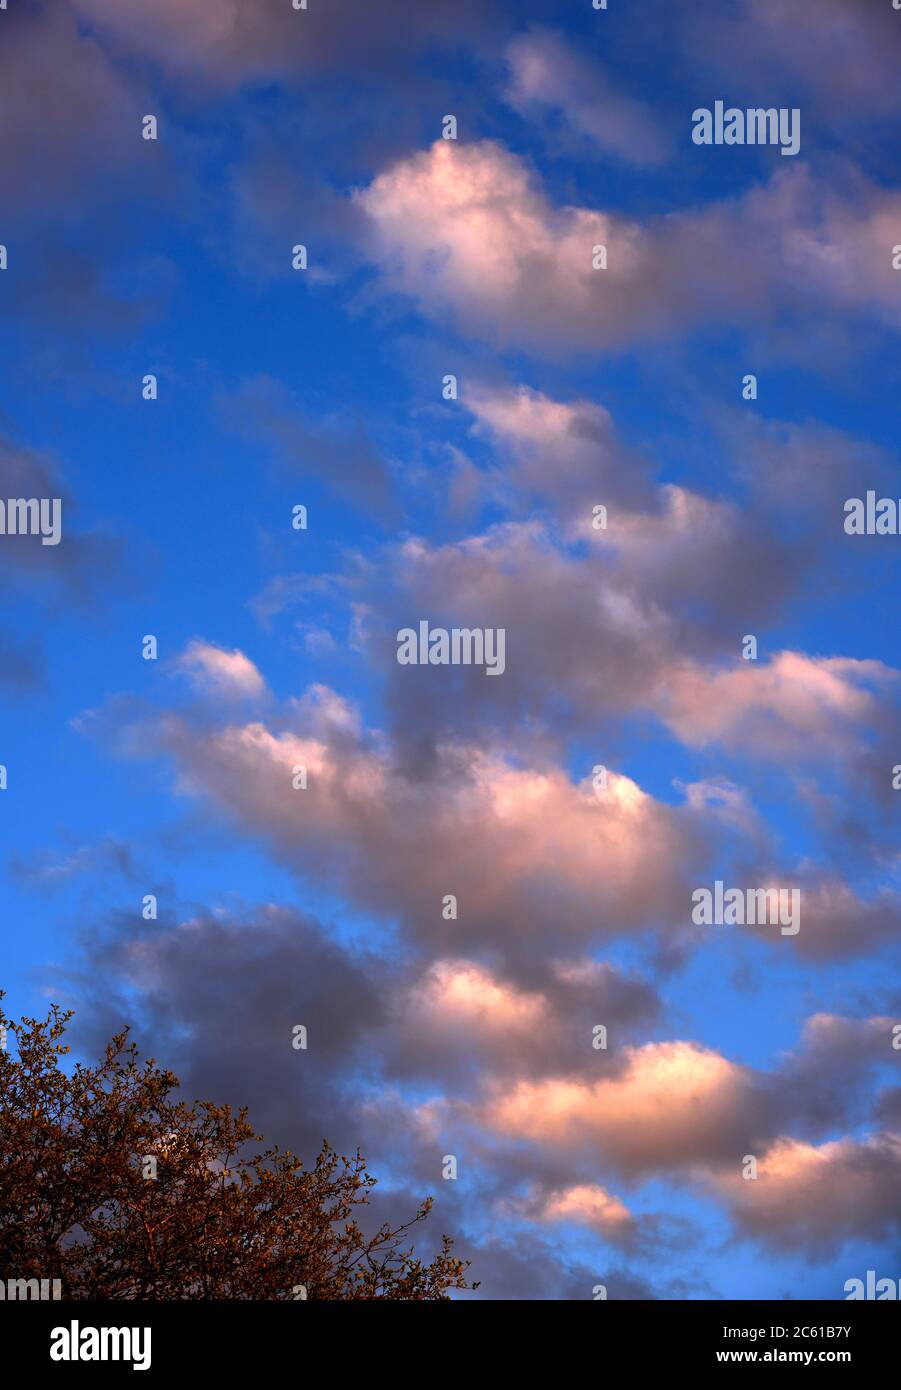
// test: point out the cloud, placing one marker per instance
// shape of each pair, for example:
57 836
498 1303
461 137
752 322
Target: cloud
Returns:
672 1104
64 180
671 1108
643 613
74 573
838 922
529 1266
819 1088
548 75
565 453
791 706
222 672
591 631
587 1204
219 993
48 69
340 454
79 566
230 42
675 1105
648 613
887 1109
468 232
843 64
460 1018
521 847
51 869
522 841
830 727
22 666
817 1198
458 995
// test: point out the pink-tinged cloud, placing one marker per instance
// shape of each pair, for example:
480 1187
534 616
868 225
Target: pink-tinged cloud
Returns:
516 844
547 74
460 996
837 921
793 704
818 1197
588 1204
565 453
459 1018
671 1105
222 672
525 851
591 632
468 232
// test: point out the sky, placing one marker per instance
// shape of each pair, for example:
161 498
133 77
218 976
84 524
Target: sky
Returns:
704 689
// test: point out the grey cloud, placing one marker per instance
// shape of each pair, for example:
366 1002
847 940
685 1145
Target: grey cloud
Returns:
216 997
82 563
841 63
228 42
49 869
547 74
816 1202
341 455
22 666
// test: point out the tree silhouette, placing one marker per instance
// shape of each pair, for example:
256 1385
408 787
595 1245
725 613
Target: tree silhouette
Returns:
113 1187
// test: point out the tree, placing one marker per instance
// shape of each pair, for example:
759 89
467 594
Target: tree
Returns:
79 1201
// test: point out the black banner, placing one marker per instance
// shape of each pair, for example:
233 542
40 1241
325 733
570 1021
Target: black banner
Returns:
93 1338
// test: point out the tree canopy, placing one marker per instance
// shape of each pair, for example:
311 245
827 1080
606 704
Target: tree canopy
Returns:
114 1186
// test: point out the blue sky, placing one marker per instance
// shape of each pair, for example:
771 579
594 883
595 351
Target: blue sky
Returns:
323 388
